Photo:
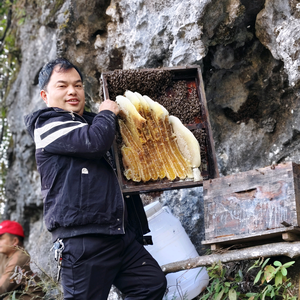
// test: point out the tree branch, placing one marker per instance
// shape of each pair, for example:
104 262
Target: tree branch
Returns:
291 250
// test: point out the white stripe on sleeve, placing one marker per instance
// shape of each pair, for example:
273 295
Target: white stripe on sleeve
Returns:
41 143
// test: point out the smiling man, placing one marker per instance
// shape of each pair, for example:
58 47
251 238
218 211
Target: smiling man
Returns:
12 255
100 231
65 90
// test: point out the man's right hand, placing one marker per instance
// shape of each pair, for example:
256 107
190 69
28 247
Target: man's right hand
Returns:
110 105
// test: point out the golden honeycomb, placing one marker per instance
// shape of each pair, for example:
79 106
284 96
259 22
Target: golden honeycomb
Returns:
154 144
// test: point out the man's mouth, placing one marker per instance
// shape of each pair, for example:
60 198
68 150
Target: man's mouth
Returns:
72 101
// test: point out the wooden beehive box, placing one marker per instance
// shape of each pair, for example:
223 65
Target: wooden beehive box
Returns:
180 90
253 206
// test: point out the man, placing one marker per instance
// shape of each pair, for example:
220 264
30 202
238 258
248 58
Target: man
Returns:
83 204
20 280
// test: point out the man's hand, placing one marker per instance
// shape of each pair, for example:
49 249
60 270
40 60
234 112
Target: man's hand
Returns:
110 105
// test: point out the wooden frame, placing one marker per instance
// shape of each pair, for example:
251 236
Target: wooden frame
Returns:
253 206
188 74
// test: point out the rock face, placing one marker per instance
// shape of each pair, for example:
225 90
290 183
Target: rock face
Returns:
277 28
248 52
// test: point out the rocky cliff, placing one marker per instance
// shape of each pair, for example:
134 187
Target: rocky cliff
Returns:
248 53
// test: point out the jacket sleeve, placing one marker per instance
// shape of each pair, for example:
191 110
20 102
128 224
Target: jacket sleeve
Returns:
62 136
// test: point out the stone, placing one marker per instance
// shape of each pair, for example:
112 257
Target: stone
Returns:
277 27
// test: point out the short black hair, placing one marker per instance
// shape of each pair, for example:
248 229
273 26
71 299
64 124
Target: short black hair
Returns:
46 72
20 238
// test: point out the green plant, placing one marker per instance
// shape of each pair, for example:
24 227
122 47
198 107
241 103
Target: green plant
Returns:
270 282
220 287
273 279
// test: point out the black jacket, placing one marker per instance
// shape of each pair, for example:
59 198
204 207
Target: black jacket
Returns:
79 185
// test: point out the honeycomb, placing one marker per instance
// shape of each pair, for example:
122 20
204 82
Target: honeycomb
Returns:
150 147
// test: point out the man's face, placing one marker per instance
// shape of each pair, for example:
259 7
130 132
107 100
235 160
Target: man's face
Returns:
65 90
7 244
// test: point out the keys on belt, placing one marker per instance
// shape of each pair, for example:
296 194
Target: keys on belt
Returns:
58 248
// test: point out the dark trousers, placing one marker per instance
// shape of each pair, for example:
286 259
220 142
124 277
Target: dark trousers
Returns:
92 263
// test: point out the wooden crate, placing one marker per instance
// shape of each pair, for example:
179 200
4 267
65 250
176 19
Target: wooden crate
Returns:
190 77
253 206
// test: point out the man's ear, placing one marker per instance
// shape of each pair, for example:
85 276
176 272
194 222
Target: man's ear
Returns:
44 96
15 241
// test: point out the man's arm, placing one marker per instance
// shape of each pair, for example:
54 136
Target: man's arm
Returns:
65 137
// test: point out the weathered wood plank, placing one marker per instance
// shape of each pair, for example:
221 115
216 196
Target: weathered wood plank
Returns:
251 237
251 204
215 247
247 180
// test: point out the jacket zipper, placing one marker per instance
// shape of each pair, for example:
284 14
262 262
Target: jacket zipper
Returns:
123 219
72 113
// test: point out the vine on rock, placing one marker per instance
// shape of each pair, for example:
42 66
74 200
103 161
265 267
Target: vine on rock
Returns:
11 16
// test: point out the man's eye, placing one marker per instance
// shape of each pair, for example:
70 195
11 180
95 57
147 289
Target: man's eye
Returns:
79 85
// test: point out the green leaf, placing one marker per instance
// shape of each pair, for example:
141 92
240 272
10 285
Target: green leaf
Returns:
265 262
284 271
272 294
269 288
220 295
286 265
255 265
277 263
217 285
199 272
223 273
227 283
251 294
205 297
257 277
232 294
264 293
278 279
269 273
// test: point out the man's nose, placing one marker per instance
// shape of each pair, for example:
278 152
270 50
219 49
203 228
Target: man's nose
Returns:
71 90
